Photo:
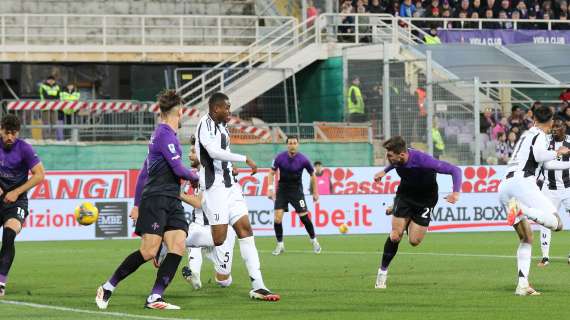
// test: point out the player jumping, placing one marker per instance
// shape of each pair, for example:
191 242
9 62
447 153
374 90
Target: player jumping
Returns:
290 165
415 198
17 159
161 215
520 193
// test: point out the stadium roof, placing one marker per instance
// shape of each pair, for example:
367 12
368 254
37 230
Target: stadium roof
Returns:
530 63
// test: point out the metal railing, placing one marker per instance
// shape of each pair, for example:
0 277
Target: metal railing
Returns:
57 33
479 24
264 53
103 121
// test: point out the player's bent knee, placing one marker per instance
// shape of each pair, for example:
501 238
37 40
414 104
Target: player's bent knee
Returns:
148 253
415 242
219 240
13 224
395 237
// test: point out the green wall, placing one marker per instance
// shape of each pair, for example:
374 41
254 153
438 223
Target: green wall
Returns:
320 91
131 156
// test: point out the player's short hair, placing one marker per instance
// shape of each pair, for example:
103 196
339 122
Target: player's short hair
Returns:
10 122
168 100
395 144
318 163
542 114
192 140
217 98
560 118
291 138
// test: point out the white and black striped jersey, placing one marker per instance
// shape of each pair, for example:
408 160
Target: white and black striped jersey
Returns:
213 151
530 151
557 179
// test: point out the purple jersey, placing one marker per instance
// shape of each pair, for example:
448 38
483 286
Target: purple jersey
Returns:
291 169
163 165
15 165
418 184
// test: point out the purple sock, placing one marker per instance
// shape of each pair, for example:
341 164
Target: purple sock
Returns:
166 273
129 265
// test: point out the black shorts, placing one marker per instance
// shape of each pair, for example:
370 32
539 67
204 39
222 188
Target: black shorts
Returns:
419 215
17 210
160 214
293 196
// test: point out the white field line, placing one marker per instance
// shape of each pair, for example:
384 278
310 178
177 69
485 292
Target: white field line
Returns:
376 253
97 313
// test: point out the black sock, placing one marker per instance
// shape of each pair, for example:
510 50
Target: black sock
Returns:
308 226
129 265
278 231
165 273
390 250
7 253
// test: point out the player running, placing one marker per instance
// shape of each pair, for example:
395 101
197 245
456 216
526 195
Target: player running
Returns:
161 215
223 201
17 159
290 165
555 184
520 193
415 198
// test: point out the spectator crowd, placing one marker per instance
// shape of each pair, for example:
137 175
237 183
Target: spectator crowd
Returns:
467 9
501 132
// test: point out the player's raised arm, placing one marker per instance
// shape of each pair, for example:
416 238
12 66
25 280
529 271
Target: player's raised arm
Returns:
170 150
556 165
541 152
445 168
380 174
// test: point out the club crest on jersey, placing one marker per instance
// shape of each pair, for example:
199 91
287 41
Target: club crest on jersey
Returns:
172 148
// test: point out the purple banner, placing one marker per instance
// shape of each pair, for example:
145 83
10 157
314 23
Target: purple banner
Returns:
503 37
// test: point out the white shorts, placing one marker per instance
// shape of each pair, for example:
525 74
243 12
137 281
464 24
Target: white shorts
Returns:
224 205
526 192
559 198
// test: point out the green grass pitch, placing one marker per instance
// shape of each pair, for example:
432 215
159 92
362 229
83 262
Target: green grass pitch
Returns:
450 276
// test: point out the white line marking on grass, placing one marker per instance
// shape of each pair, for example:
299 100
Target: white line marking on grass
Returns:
467 255
98 313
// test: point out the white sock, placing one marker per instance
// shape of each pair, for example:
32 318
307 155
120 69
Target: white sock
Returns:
109 286
251 258
523 263
195 260
545 236
153 297
382 271
314 240
547 219
224 283
199 236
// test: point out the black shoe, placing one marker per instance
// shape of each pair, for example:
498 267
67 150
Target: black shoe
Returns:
2 290
186 272
544 262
